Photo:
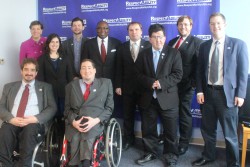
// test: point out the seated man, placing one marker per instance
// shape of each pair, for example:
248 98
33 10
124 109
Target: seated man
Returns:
25 107
88 103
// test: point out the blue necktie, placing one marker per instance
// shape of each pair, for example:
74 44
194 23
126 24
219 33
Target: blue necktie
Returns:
156 59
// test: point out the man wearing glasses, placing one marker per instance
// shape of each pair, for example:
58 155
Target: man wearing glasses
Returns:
102 50
159 71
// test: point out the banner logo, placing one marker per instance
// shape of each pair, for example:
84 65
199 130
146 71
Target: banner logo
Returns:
204 37
189 3
146 4
118 21
98 7
67 23
164 20
55 10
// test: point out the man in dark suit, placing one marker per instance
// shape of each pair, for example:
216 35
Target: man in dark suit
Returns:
126 81
159 71
222 74
88 104
188 46
102 50
73 47
24 115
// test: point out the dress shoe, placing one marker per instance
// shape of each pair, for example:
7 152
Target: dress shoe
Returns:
182 150
201 162
86 163
146 158
170 160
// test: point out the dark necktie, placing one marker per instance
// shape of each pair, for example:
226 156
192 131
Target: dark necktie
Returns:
214 65
178 43
103 51
87 91
23 102
133 51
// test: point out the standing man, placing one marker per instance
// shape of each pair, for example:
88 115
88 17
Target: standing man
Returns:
188 46
159 71
25 107
33 47
73 47
126 82
88 103
222 74
102 50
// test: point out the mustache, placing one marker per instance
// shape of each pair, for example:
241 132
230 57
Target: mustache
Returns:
28 75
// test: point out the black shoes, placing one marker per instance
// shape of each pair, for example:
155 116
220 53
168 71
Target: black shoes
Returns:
170 160
201 162
182 150
146 158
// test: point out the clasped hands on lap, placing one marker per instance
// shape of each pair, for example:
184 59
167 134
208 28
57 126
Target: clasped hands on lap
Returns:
84 124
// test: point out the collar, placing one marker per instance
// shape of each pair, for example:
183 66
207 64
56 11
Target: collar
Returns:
32 83
100 39
137 42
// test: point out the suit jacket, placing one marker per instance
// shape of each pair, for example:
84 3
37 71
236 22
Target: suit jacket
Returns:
57 78
125 67
46 102
91 51
235 68
68 47
189 52
99 104
169 73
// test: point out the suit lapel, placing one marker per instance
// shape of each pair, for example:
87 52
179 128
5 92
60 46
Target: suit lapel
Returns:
206 56
39 93
227 52
162 58
185 43
93 89
96 47
150 60
14 91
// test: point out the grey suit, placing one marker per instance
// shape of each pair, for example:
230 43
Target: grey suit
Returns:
28 134
99 104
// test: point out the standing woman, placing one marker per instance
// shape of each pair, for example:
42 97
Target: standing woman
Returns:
33 47
55 68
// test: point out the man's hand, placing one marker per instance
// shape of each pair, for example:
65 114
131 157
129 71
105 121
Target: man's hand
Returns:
238 101
200 98
156 85
21 122
118 91
90 123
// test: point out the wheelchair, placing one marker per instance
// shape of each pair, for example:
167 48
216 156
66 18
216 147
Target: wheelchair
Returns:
47 151
107 145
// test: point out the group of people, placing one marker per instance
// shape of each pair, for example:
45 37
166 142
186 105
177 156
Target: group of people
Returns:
158 78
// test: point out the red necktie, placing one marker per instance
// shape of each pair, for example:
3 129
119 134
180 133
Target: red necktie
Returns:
178 43
87 91
23 102
103 51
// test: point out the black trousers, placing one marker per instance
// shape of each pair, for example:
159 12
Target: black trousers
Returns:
129 108
185 116
26 138
214 109
149 128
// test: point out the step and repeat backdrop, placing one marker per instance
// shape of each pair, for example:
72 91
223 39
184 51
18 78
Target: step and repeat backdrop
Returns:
57 15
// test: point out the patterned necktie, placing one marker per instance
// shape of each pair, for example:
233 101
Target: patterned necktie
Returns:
133 51
156 59
23 102
103 51
87 92
214 65
178 43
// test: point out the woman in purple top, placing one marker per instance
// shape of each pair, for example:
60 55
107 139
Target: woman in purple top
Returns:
33 47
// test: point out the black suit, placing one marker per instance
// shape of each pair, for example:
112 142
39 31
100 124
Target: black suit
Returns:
68 47
91 51
169 73
189 50
126 80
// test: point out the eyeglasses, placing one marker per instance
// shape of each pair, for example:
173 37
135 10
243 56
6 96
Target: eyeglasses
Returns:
102 28
157 37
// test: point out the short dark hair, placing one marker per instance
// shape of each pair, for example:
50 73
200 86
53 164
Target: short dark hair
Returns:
49 39
132 23
185 17
155 28
29 61
77 19
217 14
89 60
36 22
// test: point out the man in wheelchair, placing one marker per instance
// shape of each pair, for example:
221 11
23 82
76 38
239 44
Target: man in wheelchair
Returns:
88 104
25 108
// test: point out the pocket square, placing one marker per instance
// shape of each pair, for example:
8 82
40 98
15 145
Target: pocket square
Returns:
113 50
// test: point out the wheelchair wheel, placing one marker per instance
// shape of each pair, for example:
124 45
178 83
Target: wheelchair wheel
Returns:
53 145
113 143
38 156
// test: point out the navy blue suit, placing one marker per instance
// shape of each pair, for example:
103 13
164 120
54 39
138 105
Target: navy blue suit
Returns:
219 103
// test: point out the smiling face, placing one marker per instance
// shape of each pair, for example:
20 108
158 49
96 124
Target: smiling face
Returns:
54 44
102 29
36 32
134 32
29 72
157 39
184 27
87 71
77 27
217 27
